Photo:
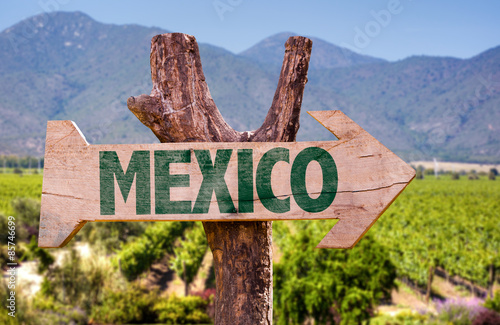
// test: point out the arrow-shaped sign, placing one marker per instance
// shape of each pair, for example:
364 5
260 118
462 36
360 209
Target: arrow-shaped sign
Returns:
354 180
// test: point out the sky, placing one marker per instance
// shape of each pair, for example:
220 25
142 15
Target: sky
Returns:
388 29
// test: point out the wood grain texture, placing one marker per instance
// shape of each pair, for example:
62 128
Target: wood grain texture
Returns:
180 108
369 178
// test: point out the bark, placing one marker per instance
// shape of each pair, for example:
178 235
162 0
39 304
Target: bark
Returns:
181 109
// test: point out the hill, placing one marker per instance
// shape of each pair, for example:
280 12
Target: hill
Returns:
65 65
324 55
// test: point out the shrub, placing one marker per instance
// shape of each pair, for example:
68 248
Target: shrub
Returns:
473 175
110 236
137 256
186 310
50 311
27 213
134 305
493 303
459 311
419 174
189 254
45 259
487 317
328 285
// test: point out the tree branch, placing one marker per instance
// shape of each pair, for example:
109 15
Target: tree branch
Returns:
181 109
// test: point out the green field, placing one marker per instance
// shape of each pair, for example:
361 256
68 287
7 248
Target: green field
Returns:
15 186
452 224
445 223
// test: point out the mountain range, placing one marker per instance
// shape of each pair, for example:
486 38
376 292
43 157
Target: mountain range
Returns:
65 65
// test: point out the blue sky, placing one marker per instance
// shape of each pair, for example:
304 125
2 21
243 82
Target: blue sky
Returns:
390 29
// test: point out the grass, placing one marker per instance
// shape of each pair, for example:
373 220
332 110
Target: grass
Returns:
13 186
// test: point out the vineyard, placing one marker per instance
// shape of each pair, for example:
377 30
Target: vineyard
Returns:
447 225
13 186
450 224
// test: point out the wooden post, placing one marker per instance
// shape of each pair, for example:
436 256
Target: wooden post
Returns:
181 109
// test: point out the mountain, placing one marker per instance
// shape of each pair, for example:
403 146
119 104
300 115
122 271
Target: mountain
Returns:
323 56
65 65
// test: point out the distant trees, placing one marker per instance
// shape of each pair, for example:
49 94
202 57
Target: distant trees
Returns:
420 172
12 161
492 175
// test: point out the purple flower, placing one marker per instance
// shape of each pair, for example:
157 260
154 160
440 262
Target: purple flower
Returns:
459 310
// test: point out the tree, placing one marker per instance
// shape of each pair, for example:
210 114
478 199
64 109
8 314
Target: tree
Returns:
181 109
330 286
420 172
137 256
492 175
189 255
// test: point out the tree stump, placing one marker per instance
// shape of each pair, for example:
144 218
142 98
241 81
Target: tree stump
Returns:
181 109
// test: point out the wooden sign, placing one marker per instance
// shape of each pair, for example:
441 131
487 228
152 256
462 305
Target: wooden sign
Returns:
354 180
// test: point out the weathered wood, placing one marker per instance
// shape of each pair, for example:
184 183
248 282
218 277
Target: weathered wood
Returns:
79 184
188 113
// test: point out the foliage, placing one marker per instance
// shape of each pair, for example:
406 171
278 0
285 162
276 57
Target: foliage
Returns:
185 310
473 176
110 236
328 285
72 289
134 305
459 311
24 314
419 174
487 317
138 255
12 161
68 282
27 214
45 259
12 187
445 223
493 303
402 318
189 254
48 310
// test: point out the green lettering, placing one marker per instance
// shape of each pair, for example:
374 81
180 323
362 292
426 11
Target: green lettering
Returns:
298 179
245 181
138 167
263 180
213 181
164 181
